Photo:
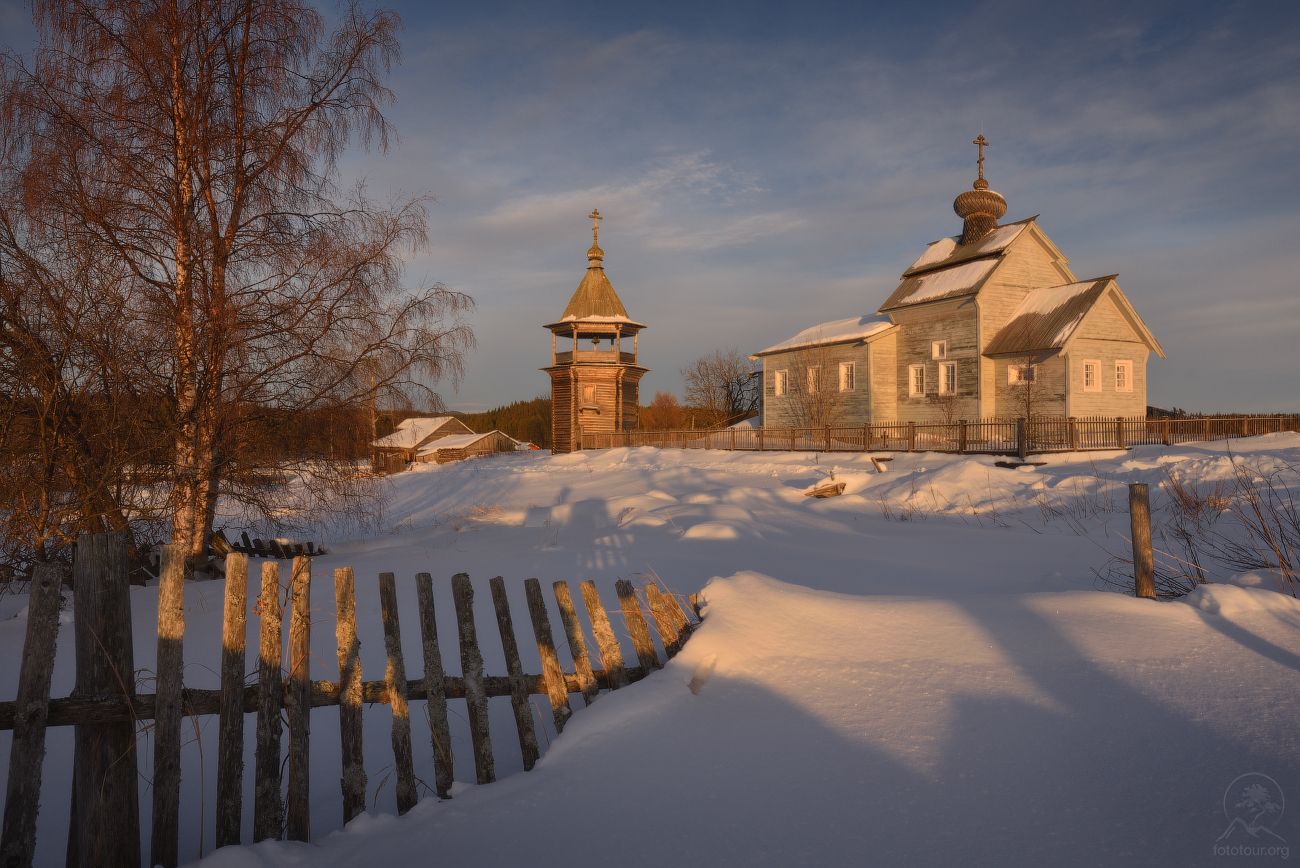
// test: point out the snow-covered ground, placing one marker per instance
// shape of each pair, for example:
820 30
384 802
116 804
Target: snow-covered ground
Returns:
919 672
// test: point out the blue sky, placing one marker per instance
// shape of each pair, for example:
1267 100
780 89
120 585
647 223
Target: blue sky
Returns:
763 167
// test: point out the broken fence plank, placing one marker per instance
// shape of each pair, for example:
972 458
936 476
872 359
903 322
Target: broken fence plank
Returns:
297 807
664 620
435 688
164 836
23 791
552 676
636 625
268 809
471 663
611 655
515 672
577 645
353 780
230 737
395 678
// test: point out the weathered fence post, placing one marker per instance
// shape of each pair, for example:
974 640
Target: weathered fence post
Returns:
230 727
106 820
733 438
1072 433
1119 433
23 792
515 672
664 621
760 439
435 688
297 801
828 438
552 675
866 437
961 436
164 836
1139 510
1022 439
611 655
353 781
395 682
268 809
471 665
911 436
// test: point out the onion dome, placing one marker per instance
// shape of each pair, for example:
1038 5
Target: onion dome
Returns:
979 208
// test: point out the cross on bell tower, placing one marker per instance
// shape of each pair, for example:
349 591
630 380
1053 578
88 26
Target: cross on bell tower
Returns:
594 388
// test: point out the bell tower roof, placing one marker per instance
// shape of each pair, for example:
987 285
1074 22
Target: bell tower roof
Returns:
595 301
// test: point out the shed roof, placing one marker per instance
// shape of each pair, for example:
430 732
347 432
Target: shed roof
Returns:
461 441
838 331
411 432
1047 317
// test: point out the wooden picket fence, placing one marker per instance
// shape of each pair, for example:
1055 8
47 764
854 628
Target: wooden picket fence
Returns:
989 436
105 707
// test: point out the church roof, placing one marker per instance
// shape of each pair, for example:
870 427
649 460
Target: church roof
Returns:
1047 317
952 281
948 251
854 328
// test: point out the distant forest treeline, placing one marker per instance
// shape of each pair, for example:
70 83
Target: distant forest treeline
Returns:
523 420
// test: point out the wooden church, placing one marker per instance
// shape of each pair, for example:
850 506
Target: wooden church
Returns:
594 373
991 323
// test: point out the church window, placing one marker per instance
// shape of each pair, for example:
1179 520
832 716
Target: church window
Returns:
848 376
948 378
781 382
814 376
915 380
1020 375
1124 375
1092 375
939 350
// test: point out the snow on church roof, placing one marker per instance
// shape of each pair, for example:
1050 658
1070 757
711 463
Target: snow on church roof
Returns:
1047 317
833 332
939 252
942 283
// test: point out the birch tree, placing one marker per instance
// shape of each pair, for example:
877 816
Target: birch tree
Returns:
195 145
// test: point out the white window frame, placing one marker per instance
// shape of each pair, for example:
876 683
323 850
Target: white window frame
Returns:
912 391
813 379
1016 375
946 368
1095 364
939 349
780 382
1125 365
848 376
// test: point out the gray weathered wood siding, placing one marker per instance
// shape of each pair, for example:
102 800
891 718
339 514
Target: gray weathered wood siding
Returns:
1048 391
956 322
1107 401
847 407
883 371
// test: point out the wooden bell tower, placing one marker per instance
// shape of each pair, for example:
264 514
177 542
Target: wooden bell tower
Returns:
594 371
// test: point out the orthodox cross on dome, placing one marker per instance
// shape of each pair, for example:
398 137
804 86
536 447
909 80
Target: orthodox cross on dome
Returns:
980 143
595 225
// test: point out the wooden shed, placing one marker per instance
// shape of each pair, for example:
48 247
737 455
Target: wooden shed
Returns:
458 447
394 451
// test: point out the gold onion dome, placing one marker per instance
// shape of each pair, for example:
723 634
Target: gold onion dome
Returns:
979 208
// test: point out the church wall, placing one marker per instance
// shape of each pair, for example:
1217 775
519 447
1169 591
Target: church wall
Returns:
1105 321
1048 392
1107 401
829 405
919 328
884 372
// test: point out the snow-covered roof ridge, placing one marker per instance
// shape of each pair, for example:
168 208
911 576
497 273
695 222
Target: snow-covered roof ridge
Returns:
947 251
964 278
461 441
411 431
837 331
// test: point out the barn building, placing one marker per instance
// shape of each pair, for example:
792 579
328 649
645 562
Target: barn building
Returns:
991 323
594 372
398 449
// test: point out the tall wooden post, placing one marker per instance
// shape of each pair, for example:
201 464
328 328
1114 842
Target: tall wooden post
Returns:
167 713
106 820
961 436
1139 510
297 807
1072 433
1022 440
911 436
1119 433
230 736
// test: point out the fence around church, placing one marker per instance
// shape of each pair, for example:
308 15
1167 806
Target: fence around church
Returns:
108 712
1020 437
